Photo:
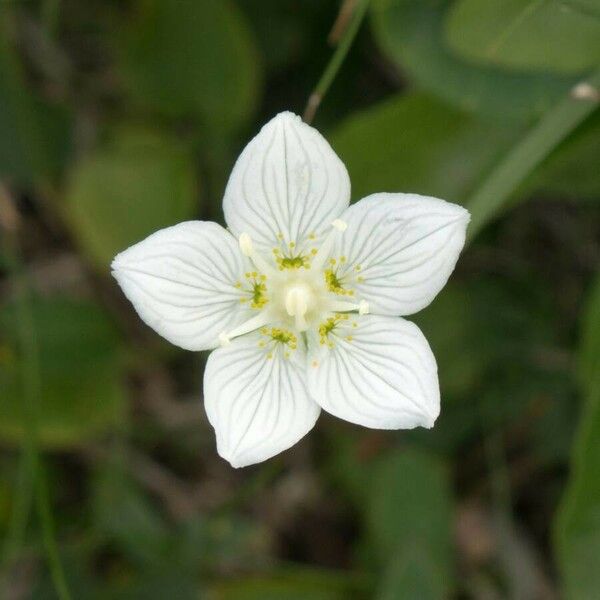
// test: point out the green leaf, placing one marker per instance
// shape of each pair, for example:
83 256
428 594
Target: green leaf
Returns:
21 146
129 188
414 143
291 584
80 373
411 33
572 170
511 174
127 518
195 58
412 573
552 35
577 526
408 515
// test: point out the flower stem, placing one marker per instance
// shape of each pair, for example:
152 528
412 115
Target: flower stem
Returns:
31 389
555 125
336 61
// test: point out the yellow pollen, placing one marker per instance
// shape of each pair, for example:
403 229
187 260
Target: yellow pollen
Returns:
281 336
293 262
328 326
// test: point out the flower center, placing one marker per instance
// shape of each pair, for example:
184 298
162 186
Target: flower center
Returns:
297 295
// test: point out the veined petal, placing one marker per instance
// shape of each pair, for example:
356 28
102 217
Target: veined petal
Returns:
256 397
374 371
399 250
286 188
187 282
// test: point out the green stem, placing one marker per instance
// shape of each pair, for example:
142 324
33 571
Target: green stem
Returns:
336 61
31 388
534 147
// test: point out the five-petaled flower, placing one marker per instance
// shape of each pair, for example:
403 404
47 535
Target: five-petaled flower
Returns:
302 297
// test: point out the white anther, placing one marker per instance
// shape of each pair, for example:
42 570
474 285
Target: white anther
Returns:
324 252
247 248
224 339
246 245
363 307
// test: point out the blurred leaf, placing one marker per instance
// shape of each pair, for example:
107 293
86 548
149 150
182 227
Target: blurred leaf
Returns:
512 172
127 518
195 58
409 514
139 183
411 33
577 526
291 584
286 25
414 143
572 170
412 573
492 330
453 331
154 586
22 155
526 34
80 375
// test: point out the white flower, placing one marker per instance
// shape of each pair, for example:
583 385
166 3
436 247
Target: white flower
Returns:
304 296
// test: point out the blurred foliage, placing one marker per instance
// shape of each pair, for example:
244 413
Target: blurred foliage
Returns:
80 372
578 524
444 151
412 34
124 116
196 59
526 34
32 129
137 182
408 523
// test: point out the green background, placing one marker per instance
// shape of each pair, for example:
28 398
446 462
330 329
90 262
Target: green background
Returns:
119 117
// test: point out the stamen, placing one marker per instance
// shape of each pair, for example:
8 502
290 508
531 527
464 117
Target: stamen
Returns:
247 248
250 325
342 306
325 250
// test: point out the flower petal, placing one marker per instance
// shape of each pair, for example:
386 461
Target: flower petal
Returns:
256 398
286 187
375 371
182 282
399 250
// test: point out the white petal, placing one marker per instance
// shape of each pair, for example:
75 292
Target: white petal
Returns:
181 280
256 398
287 186
399 250
384 376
